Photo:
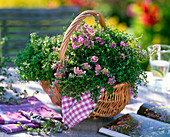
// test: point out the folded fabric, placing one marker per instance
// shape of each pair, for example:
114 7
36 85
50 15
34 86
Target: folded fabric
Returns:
9 115
11 128
74 112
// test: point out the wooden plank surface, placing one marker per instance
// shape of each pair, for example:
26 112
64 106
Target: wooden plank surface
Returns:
33 25
29 32
17 24
41 11
29 18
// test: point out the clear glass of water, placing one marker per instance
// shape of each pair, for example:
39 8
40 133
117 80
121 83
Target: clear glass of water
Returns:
159 61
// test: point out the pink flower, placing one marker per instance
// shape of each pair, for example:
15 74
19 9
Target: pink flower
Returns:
57 81
74 46
102 89
71 75
99 39
113 45
94 59
77 71
105 71
92 43
122 55
112 80
77 27
86 66
54 66
57 74
55 48
80 40
101 43
122 43
97 69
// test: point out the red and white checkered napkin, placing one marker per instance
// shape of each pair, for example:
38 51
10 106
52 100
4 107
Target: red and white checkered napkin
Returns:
74 112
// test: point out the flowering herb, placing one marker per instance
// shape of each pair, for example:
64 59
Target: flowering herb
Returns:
37 61
97 59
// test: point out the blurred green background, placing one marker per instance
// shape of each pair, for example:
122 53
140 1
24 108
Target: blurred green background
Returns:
147 18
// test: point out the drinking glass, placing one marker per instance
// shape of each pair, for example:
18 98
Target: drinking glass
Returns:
159 63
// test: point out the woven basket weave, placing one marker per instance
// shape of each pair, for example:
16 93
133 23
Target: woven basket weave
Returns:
56 98
108 105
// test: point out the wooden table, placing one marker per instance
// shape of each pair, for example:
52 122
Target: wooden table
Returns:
89 126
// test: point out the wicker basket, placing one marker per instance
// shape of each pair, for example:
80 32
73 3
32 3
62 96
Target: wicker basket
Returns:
111 105
108 105
56 99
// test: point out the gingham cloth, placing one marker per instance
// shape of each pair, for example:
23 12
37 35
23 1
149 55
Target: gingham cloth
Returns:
74 112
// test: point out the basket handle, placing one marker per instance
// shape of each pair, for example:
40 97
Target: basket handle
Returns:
72 27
